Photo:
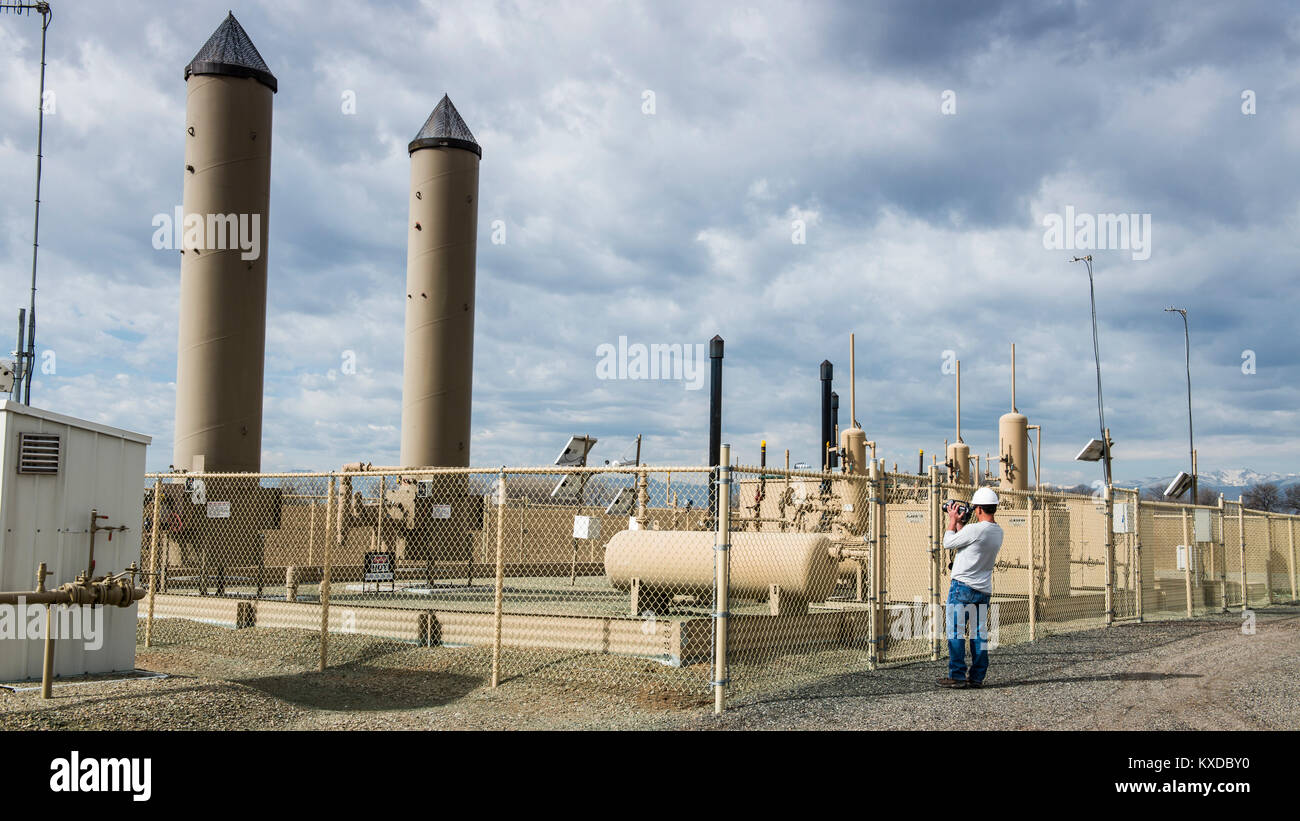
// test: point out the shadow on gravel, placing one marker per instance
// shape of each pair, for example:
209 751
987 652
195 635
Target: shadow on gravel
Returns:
1077 679
360 687
1046 656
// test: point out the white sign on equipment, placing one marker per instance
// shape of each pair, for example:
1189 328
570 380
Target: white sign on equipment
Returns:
586 527
1201 531
1123 518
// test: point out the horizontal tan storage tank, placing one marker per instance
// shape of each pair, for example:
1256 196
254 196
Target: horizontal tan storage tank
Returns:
681 561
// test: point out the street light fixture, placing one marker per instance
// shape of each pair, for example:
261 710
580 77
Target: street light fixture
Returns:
1096 354
1191 447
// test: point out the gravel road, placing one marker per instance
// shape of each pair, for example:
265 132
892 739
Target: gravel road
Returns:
1200 674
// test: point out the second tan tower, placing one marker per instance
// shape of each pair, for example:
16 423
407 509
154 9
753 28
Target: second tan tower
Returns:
442 233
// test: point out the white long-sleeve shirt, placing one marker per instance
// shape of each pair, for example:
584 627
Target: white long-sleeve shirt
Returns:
977 545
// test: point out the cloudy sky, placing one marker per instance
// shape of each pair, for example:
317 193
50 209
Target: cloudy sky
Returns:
655 167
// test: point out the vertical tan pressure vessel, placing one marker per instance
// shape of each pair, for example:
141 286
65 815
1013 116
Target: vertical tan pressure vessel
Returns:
438 363
959 458
223 255
1013 450
854 444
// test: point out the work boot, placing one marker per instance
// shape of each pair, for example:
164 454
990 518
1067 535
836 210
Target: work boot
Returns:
951 683
974 685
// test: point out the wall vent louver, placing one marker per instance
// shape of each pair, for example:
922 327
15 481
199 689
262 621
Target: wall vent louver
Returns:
38 453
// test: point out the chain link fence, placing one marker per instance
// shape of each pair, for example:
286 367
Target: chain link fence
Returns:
609 576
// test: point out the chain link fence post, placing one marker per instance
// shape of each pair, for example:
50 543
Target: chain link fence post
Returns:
330 534
936 540
1241 538
722 578
153 560
1223 555
1111 570
1187 562
500 581
1268 556
876 623
1137 555
1033 571
1291 535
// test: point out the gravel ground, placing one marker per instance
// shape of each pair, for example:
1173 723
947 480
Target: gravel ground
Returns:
1201 674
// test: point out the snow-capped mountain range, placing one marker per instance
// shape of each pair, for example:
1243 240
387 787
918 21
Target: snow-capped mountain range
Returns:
1228 482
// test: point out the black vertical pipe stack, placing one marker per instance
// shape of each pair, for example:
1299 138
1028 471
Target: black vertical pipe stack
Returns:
828 427
834 458
715 420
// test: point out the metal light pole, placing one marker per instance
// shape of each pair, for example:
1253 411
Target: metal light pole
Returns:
25 360
1191 447
1096 353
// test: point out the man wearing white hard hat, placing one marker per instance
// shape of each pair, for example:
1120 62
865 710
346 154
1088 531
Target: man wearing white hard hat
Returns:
975 547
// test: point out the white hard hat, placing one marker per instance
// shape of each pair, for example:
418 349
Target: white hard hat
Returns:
984 496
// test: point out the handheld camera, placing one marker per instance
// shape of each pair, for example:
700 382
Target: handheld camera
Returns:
964 510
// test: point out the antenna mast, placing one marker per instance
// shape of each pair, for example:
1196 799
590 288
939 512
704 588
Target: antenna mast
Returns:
26 360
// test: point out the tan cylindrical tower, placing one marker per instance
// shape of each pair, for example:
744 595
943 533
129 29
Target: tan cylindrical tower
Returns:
442 232
223 255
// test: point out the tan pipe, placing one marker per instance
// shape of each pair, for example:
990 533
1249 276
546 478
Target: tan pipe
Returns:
853 383
1038 457
1013 378
47 669
642 500
107 591
958 400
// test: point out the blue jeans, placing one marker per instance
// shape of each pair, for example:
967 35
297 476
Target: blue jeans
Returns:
967 607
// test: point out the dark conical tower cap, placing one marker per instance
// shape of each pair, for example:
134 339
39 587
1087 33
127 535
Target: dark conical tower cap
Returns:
445 128
229 51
